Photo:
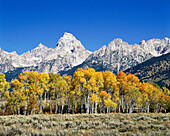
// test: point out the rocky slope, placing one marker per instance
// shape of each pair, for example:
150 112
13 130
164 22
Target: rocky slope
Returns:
69 52
119 55
156 69
30 58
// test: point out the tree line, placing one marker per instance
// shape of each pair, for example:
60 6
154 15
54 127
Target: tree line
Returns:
87 91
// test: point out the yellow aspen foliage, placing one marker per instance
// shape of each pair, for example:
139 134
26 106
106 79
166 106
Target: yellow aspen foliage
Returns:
87 91
6 94
4 85
104 95
109 103
166 91
94 98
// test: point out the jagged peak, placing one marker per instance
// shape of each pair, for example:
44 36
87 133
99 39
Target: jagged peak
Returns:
66 34
68 42
117 42
41 46
156 40
166 38
118 39
142 42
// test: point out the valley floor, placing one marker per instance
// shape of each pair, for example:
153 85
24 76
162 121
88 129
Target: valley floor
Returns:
86 124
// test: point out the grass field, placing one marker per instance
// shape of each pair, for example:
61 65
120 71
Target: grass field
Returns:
86 124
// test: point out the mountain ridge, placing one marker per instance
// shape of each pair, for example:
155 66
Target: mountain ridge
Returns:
68 48
119 55
70 54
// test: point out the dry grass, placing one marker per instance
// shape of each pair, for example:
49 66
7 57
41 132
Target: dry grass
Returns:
86 125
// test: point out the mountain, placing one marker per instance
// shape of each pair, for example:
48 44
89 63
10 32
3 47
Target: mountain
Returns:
119 55
156 69
69 52
30 58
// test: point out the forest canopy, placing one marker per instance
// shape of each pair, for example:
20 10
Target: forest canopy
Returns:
87 91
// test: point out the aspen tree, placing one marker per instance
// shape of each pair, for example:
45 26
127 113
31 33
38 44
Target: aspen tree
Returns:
44 80
122 80
99 86
54 89
81 83
4 86
132 91
17 97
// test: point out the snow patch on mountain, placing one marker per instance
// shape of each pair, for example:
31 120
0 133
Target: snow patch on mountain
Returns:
68 50
119 55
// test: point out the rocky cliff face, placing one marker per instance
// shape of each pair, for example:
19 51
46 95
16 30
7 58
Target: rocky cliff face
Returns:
156 47
119 56
10 61
69 52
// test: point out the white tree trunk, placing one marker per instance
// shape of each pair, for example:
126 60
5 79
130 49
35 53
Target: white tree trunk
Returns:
148 108
127 108
19 110
123 109
96 103
45 99
88 104
62 107
95 107
119 108
92 107
107 109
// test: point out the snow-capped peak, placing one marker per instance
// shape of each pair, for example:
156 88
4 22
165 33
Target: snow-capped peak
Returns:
68 43
69 52
41 46
66 34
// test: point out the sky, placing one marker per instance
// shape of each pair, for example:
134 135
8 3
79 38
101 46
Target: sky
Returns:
26 23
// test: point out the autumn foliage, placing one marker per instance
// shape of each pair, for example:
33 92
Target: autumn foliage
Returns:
87 91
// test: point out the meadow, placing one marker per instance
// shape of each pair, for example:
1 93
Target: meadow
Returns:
111 124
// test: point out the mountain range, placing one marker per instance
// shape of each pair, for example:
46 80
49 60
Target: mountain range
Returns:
70 54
